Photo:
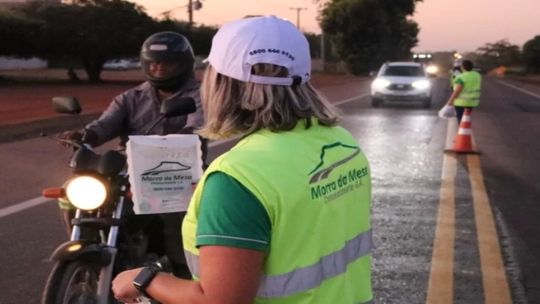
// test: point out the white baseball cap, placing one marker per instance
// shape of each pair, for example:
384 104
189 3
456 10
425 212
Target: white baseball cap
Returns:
239 45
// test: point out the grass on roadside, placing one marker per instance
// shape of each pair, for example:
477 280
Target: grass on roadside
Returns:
61 75
135 76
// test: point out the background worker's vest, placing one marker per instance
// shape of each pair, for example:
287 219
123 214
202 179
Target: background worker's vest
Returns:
470 94
315 185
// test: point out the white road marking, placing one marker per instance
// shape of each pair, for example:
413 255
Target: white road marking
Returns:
351 99
40 200
23 206
519 89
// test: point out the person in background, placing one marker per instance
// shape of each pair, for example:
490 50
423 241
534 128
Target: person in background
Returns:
283 216
167 61
456 70
467 88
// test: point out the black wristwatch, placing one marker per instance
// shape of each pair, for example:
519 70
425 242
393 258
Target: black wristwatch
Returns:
143 279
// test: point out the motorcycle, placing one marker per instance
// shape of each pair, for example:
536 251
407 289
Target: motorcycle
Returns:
104 241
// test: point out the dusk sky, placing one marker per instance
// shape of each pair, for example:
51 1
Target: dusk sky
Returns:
461 25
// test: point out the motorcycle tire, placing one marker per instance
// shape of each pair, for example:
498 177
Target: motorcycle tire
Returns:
72 282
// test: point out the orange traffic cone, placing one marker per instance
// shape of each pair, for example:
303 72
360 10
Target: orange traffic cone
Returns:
463 141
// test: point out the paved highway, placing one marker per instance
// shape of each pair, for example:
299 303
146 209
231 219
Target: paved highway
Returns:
448 228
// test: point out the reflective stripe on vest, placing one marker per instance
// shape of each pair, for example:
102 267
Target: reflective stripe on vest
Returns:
309 277
305 278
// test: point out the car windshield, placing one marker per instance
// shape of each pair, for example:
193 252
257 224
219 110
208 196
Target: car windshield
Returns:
403 71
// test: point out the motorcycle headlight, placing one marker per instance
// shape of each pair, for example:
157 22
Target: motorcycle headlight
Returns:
380 83
86 192
421 84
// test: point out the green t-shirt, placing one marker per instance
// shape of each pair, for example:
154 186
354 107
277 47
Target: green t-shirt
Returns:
459 81
230 215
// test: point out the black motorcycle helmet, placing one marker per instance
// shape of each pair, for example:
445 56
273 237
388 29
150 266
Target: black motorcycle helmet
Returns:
169 48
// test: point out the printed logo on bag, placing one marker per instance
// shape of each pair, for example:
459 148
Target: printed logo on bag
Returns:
161 171
165 167
331 186
167 176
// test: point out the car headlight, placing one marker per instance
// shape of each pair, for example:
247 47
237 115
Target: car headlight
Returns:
432 69
421 84
86 192
380 83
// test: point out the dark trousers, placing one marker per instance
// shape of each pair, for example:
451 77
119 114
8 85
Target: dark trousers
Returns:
460 111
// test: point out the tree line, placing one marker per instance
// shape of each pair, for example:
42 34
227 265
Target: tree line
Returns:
87 33
362 34
366 33
525 59
90 32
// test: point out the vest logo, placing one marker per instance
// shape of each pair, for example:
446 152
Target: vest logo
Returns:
319 174
329 189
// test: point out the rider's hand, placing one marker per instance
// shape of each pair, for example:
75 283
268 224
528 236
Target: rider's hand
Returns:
70 135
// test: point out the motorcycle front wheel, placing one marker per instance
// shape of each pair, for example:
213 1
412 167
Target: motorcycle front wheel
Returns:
72 282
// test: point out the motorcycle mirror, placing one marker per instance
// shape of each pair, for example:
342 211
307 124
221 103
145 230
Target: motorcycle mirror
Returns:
177 107
66 105
111 163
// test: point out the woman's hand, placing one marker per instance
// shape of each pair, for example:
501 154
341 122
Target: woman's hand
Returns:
228 275
122 286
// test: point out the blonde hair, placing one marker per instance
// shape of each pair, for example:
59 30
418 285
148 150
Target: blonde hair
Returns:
233 107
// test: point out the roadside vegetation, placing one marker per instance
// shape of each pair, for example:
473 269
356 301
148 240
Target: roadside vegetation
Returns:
87 33
358 36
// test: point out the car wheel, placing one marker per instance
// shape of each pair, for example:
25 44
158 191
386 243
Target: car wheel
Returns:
375 102
426 103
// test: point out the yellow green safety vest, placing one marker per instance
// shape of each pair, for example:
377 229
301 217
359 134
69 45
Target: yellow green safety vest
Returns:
470 94
315 185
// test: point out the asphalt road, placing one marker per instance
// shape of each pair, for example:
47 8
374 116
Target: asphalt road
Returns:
448 228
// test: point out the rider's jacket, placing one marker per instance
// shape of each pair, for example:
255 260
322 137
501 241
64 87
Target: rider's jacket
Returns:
315 185
134 111
470 94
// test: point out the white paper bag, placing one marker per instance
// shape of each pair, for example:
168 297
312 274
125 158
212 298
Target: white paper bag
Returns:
447 112
162 171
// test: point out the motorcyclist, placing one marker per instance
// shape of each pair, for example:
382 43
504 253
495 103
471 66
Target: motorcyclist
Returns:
167 61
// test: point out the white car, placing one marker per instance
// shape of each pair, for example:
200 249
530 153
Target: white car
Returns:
401 81
122 64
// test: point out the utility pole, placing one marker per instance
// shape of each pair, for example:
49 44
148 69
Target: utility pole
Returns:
190 13
193 5
323 52
298 9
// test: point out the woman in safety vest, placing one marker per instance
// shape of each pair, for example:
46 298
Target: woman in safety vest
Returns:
284 216
467 86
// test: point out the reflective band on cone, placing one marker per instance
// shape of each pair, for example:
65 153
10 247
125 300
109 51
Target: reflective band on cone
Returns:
463 140
464 131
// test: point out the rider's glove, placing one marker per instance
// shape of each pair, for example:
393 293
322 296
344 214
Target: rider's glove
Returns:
70 135
86 136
